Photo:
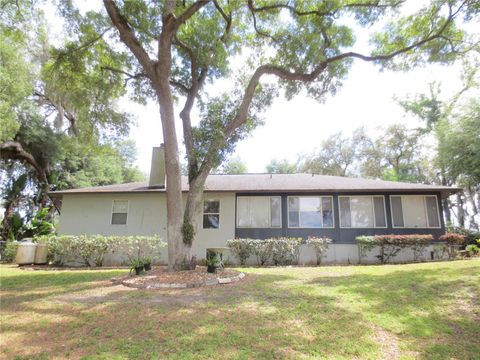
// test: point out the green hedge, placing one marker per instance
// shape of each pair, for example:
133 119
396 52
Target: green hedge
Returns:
390 245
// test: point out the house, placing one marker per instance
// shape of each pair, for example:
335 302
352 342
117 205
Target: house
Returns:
262 206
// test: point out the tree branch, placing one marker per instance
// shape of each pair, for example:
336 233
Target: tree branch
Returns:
128 37
13 150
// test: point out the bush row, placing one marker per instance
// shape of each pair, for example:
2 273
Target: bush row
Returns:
390 245
90 250
276 251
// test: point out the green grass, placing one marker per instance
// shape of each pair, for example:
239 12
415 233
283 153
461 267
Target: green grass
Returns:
425 311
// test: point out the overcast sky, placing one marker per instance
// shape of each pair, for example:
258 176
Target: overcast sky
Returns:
298 126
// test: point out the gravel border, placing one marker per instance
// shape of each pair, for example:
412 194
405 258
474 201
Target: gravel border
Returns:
208 282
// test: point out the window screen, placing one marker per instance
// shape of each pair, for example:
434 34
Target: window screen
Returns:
432 211
379 209
362 211
259 211
310 211
119 212
397 211
211 214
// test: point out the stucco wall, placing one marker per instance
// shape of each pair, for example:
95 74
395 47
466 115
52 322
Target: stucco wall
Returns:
91 214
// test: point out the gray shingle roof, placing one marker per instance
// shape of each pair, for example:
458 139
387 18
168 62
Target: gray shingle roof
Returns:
277 183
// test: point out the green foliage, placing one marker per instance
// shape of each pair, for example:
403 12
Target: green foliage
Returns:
90 250
188 233
470 235
214 261
472 249
10 251
336 156
319 245
241 248
390 245
15 80
285 251
234 166
262 249
40 225
282 166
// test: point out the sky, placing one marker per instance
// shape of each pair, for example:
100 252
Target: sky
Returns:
298 126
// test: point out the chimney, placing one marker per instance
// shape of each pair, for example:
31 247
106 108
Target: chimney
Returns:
157 170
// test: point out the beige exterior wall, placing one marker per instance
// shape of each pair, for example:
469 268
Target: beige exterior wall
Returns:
91 214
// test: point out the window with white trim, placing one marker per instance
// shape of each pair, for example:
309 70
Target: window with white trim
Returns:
310 212
119 212
259 211
211 214
362 212
415 211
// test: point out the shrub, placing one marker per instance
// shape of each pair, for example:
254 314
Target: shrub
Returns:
390 245
470 235
285 250
90 250
262 249
241 248
472 249
453 240
10 251
365 245
319 245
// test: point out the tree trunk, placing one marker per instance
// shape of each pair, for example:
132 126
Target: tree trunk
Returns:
460 211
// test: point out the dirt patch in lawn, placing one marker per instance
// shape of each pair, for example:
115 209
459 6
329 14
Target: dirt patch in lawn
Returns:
160 278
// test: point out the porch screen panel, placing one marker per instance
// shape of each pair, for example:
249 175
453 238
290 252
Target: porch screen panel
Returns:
414 211
432 211
397 211
310 212
276 211
361 210
260 211
345 212
293 213
379 208
243 218
327 212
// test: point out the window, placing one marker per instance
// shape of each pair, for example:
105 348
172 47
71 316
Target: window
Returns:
310 212
415 211
362 212
259 211
119 212
211 214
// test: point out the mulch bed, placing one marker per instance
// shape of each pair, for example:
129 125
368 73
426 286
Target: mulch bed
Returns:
159 277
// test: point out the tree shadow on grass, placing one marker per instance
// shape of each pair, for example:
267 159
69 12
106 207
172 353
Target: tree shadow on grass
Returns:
437 309
254 319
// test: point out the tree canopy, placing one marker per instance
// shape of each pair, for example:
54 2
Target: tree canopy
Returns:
55 132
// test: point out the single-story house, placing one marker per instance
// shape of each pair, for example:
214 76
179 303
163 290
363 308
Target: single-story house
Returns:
261 206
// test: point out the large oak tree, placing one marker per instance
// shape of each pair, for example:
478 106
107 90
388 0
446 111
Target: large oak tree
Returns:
172 49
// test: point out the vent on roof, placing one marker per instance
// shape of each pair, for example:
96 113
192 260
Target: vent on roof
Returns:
157 170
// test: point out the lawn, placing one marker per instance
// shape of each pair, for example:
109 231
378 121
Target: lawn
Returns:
429 310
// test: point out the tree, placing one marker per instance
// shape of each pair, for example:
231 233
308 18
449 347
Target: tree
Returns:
282 166
452 123
336 156
175 48
234 166
52 126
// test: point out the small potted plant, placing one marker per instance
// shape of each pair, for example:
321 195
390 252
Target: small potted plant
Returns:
147 263
213 263
137 264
